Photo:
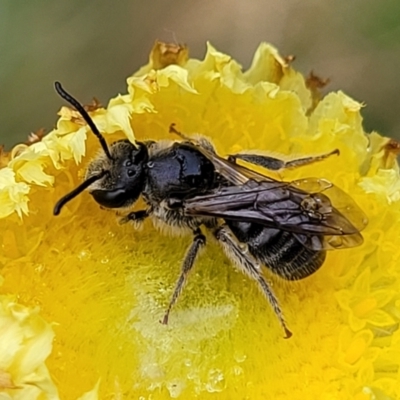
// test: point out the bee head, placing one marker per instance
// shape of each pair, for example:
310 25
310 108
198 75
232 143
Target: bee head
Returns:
125 176
117 176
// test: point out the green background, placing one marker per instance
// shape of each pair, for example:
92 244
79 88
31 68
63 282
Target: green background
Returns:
92 46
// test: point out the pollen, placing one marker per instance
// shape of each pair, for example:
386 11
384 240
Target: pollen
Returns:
81 296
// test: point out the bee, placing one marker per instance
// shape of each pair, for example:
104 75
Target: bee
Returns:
286 226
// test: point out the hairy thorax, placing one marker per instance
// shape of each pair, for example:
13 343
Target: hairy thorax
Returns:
173 221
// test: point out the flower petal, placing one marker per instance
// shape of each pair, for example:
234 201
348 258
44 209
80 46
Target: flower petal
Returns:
25 343
13 195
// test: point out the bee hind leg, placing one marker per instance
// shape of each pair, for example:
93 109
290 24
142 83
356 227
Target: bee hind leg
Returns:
199 241
276 164
238 253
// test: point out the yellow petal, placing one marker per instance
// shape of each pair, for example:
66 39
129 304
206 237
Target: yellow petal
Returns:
13 195
362 283
385 183
383 297
25 343
77 144
176 74
33 173
380 318
267 65
118 119
294 81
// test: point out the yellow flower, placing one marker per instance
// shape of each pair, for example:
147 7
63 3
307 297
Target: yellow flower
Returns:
26 341
102 288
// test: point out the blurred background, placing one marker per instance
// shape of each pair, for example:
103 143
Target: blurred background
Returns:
92 46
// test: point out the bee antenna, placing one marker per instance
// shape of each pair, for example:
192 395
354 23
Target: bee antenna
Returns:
71 195
66 96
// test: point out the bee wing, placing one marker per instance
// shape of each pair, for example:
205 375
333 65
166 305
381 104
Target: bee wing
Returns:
283 205
339 199
311 217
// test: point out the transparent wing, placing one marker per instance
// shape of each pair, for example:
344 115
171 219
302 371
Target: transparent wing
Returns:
320 215
339 199
310 216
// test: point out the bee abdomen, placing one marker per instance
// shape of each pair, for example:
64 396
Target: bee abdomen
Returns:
279 250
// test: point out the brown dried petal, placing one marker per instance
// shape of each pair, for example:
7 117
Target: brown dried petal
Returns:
164 54
6 381
391 150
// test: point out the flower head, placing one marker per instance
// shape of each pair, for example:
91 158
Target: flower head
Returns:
103 287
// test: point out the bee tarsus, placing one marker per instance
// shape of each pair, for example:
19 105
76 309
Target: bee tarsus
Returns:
251 267
135 216
199 241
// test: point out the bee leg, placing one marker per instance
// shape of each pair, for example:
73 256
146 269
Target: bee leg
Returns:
275 164
172 129
199 241
239 254
136 217
199 141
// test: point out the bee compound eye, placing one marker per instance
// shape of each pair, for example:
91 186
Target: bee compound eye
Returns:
110 198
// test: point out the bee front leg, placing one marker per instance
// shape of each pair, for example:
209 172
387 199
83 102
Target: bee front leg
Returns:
239 254
135 217
199 241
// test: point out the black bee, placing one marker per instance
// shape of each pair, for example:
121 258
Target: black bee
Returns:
287 226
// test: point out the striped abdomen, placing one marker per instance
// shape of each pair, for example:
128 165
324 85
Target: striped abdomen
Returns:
280 251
